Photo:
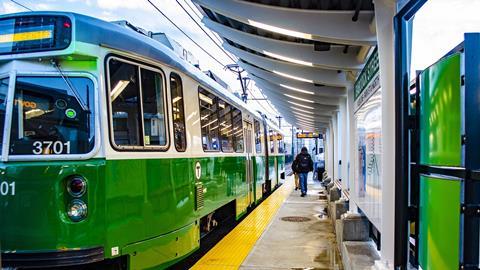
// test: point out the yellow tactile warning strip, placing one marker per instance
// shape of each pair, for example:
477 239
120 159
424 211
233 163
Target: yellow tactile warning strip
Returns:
230 252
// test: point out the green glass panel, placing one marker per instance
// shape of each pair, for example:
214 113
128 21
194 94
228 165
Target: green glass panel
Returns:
439 235
440 113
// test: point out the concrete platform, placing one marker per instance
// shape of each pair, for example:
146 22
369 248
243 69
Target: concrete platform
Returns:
309 244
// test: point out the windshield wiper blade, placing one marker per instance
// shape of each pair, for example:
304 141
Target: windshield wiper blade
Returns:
71 87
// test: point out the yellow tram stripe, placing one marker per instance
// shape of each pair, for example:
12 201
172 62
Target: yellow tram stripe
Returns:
25 36
232 250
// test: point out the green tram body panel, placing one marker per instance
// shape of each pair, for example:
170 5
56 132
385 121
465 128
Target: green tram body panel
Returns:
141 206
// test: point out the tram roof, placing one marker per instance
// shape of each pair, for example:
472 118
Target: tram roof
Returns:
106 34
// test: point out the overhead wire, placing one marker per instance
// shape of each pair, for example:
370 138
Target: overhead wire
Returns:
193 9
201 28
25 7
183 32
198 45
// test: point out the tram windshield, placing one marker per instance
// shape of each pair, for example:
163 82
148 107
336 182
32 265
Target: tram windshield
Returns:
3 105
49 118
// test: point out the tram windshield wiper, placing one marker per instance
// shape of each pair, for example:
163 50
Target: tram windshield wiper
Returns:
71 87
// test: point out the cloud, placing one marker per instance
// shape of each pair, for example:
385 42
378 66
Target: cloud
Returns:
122 4
439 26
10 7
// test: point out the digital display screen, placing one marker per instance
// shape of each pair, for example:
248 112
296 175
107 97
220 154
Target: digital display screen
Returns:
34 33
308 135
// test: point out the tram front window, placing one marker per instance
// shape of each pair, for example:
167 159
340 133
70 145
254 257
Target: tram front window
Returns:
51 117
3 105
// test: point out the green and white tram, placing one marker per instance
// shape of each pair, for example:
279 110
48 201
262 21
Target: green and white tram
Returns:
115 152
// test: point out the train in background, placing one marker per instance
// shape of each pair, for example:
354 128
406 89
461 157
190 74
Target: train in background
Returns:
116 153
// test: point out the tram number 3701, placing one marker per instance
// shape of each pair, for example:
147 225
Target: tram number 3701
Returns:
7 188
47 147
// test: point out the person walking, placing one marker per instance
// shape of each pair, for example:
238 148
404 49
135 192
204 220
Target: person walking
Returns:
304 165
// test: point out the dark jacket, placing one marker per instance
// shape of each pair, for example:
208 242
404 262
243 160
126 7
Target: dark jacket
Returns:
303 163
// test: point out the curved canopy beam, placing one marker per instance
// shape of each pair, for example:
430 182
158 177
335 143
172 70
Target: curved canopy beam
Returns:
335 58
286 82
285 108
301 104
293 71
322 25
295 95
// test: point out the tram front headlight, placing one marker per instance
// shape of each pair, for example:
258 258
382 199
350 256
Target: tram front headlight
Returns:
77 210
76 186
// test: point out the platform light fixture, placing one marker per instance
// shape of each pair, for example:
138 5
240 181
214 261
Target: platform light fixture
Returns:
300 105
303 115
288 59
279 30
299 98
292 77
301 110
297 89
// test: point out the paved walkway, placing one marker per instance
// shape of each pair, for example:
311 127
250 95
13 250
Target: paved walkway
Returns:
297 245
265 241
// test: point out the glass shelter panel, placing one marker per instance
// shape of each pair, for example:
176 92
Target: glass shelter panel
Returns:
368 175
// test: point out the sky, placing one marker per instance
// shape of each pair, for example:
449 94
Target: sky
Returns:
438 27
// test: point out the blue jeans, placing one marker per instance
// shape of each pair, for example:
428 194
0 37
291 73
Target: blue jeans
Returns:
303 182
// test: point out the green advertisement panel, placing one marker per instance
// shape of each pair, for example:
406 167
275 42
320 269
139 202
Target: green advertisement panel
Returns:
441 114
439 234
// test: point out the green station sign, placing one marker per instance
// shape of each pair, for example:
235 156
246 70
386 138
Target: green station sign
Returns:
369 73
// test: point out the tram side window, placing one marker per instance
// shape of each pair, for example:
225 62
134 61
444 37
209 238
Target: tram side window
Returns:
51 117
258 137
208 120
272 142
125 105
226 126
280 143
179 133
153 111
128 102
237 130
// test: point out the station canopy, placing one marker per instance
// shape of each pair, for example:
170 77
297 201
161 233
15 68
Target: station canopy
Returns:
303 54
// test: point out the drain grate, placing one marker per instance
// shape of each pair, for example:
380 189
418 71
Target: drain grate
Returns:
295 219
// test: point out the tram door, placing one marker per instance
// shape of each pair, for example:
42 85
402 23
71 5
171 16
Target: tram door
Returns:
248 131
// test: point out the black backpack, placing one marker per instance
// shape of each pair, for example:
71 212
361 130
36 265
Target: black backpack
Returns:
303 163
